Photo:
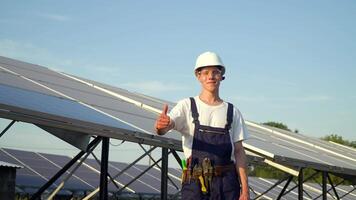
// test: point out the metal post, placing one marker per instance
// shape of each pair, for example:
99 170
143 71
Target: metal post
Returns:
324 180
164 172
300 184
7 128
103 193
63 170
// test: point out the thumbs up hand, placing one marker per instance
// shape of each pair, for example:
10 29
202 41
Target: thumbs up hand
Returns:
163 121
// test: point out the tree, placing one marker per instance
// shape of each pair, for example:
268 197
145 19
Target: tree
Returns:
277 125
334 138
338 139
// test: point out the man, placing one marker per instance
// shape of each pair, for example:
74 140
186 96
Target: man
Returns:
212 134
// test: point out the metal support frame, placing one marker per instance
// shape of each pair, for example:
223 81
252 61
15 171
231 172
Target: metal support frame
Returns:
306 179
110 177
285 187
138 176
121 172
349 192
151 158
273 186
332 185
164 174
70 174
37 195
283 191
7 128
300 184
103 193
328 190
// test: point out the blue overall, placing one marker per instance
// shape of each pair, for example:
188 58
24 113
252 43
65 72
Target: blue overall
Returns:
213 143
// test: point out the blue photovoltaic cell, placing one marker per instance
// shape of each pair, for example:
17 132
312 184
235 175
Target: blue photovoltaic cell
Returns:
153 176
136 185
113 170
73 182
65 108
37 163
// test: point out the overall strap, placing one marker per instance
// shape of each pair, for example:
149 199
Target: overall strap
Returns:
195 113
230 115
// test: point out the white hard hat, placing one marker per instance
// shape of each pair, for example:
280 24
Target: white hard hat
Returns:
209 59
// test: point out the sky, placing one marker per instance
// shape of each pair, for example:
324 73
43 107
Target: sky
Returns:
286 61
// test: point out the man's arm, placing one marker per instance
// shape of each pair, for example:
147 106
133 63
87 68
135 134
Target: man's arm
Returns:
163 123
241 169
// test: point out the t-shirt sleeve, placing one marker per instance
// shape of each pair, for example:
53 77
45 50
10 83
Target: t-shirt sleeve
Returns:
239 129
178 115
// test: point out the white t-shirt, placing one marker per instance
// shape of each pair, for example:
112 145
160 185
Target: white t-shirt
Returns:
214 116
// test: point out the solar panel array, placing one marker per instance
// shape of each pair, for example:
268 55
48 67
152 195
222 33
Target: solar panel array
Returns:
39 95
298 150
39 167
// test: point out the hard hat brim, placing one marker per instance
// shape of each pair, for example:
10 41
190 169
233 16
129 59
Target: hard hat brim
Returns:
222 68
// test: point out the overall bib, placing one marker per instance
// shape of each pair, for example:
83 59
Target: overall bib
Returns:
213 143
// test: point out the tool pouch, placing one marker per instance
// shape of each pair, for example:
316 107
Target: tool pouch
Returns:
207 173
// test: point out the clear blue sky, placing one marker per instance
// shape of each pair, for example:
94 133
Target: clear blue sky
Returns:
287 61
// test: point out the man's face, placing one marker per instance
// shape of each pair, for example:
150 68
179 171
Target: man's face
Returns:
210 78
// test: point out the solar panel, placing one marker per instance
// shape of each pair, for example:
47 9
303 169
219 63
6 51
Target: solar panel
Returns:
296 151
115 113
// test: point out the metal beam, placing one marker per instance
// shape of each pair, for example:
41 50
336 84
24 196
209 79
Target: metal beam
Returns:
285 187
349 192
164 174
7 128
284 168
37 195
103 193
332 185
300 184
176 156
324 181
